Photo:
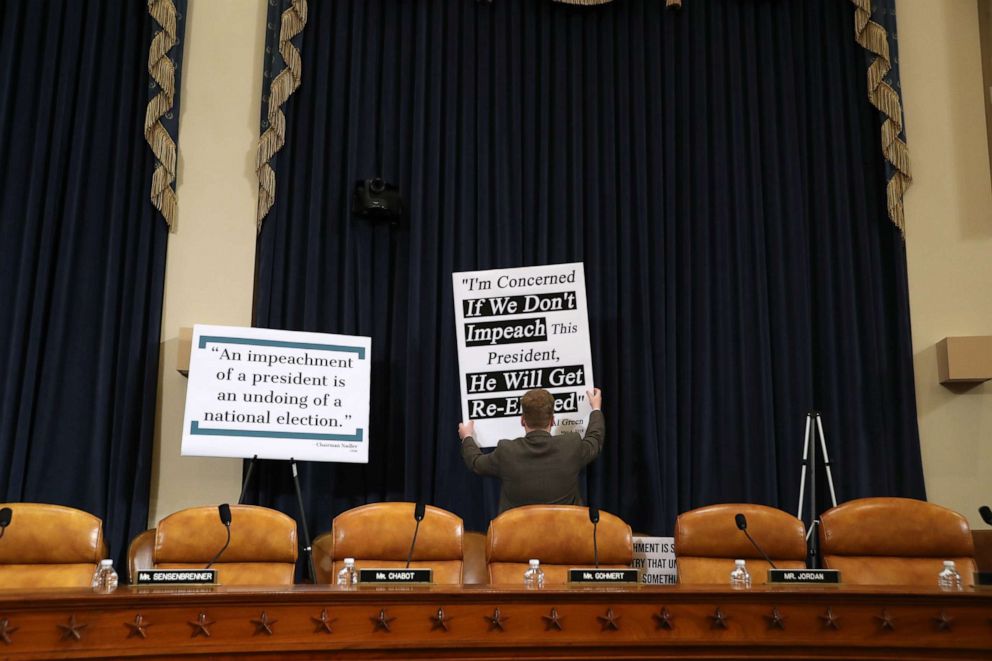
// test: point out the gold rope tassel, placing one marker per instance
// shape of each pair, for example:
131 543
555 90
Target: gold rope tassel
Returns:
163 72
287 81
873 37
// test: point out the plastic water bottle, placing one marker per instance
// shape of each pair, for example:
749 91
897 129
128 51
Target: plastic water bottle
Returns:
105 578
949 578
534 576
740 578
348 577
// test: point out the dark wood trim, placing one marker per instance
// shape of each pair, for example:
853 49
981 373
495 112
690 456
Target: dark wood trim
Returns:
641 622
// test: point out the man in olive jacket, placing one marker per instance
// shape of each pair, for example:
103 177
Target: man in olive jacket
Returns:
538 468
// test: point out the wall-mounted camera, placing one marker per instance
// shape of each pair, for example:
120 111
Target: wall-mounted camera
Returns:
376 199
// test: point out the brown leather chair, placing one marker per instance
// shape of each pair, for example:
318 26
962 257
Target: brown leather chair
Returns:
560 536
895 541
50 546
262 552
379 535
707 541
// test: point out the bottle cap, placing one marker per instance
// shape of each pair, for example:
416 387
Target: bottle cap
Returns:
949 564
739 563
107 563
535 562
349 561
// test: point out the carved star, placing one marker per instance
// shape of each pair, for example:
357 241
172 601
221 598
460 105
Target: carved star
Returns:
263 623
6 630
381 621
324 622
201 626
137 627
496 620
943 621
886 621
719 619
664 619
552 621
73 629
830 620
439 620
610 620
775 620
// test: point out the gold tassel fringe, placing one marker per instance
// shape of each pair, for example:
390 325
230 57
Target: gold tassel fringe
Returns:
873 37
287 81
163 71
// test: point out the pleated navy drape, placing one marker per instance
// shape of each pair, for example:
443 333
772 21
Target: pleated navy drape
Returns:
718 171
82 260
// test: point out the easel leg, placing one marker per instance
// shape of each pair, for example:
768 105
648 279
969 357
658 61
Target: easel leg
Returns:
303 520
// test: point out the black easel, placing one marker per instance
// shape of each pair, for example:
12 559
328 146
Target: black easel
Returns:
814 429
307 548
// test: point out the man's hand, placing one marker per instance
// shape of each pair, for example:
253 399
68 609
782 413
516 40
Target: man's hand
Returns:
466 429
595 397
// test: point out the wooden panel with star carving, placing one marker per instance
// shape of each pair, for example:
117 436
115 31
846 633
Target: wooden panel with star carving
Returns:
488 622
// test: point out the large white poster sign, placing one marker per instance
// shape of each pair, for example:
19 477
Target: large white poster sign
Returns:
520 329
655 557
278 394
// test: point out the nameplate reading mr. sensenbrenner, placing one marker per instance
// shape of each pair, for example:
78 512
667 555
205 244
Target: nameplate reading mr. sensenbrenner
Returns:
177 577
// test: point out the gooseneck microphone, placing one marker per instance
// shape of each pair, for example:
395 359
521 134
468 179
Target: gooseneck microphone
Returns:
594 517
742 526
983 510
225 518
6 514
418 514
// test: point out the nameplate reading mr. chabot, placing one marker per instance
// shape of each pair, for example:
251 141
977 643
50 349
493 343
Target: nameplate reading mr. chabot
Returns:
804 576
177 577
603 576
403 576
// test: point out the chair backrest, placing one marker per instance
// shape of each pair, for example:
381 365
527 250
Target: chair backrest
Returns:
50 546
140 554
379 535
560 536
707 541
262 552
895 541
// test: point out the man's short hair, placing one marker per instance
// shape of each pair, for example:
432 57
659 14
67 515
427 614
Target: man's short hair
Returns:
538 408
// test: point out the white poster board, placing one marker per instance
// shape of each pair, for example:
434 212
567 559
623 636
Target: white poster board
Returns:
655 557
277 394
520 329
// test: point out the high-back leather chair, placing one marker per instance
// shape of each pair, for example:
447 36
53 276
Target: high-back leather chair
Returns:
50 546
379 535
895 541
560 536
263 545
707 541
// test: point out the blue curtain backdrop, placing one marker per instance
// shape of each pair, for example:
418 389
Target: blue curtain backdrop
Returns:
82 260
718 171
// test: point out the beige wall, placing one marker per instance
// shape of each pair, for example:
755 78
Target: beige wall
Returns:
948 239
949 236
209 272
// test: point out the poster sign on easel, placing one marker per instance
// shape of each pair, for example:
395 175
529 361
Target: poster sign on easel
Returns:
519 329
278 395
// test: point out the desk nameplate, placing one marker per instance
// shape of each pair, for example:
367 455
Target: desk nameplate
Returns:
175 577
394 576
